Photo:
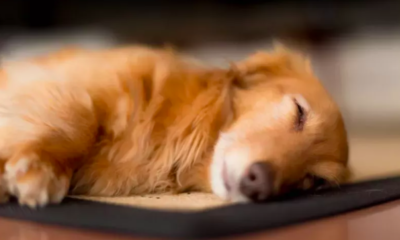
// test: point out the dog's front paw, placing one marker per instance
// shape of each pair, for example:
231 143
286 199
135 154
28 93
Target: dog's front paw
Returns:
34 181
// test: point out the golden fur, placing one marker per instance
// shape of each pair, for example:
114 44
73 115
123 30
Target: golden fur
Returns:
140 120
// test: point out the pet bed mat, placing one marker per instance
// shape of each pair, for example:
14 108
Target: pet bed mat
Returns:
223 221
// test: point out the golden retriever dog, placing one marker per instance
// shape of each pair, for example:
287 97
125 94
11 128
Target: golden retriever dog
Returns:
138 120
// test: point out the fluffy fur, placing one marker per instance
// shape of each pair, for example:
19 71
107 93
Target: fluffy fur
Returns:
139 120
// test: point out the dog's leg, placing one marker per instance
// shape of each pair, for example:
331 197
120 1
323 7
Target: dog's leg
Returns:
45 132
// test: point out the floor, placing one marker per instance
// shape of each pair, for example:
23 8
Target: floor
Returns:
380 222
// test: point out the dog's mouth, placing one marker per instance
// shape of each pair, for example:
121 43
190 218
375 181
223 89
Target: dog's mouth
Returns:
232 191
225 177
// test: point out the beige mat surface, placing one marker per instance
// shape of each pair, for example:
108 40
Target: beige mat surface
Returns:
192 201
369 158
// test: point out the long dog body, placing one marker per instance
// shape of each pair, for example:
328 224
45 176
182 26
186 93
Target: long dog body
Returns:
137 120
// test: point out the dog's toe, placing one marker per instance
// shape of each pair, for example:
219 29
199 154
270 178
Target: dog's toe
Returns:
34 182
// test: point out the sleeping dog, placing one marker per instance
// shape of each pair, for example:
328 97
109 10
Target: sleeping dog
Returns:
136 120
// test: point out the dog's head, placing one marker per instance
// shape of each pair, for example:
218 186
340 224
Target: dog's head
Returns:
287 133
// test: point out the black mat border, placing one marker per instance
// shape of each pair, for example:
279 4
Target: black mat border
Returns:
212 223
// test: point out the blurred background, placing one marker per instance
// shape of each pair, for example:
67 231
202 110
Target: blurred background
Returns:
354 47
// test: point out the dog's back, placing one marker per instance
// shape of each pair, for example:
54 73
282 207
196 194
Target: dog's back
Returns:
127 120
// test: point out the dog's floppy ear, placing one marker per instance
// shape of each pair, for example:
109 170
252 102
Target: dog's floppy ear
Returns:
236 76
240 79
280 61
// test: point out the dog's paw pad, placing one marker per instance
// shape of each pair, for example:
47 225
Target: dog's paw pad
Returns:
34 182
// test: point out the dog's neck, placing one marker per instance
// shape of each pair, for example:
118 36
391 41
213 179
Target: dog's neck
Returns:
210 113
174 129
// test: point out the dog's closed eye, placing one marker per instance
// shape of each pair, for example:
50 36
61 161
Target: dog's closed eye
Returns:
320 183
301 116
314 182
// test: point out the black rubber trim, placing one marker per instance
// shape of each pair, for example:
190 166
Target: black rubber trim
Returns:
218 222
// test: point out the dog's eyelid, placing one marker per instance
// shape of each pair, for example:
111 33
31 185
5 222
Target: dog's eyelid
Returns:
301 115
318 182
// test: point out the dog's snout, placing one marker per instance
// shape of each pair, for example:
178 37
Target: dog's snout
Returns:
257 183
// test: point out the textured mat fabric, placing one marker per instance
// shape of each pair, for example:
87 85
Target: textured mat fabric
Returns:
222 221
186 201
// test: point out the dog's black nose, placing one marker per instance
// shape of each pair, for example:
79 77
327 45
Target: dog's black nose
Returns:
257 183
